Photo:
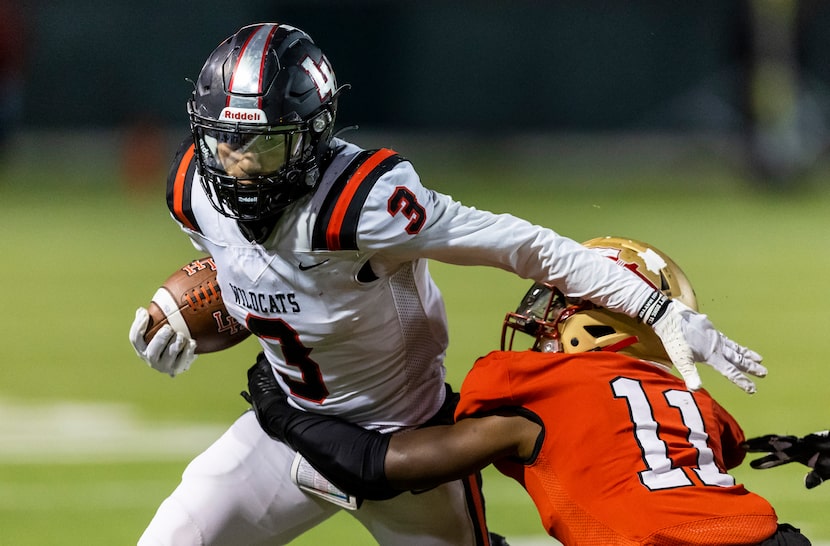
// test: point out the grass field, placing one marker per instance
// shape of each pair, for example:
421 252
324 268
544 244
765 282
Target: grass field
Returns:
91 440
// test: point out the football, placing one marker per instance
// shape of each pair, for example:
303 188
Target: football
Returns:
190 300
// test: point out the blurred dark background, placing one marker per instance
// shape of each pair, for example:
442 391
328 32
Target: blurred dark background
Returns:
753 73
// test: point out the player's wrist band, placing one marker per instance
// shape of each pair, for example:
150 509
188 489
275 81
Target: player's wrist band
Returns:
654 308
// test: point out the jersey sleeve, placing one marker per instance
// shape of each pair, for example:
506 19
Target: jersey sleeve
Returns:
180 184
486 387
347 218
401 220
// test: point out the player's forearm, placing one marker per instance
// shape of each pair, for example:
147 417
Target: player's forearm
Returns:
429 456
349 456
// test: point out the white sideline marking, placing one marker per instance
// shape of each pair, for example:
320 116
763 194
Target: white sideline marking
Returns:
72 432
90 496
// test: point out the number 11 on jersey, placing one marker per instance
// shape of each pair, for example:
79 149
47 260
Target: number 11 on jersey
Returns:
660 471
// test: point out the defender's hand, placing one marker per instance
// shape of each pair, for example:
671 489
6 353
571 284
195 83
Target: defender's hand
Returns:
812 450
268 400
168 351
690 337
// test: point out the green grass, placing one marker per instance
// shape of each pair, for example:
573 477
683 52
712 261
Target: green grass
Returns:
80 255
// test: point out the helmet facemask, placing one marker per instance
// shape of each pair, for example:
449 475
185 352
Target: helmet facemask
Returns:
537 315
252 172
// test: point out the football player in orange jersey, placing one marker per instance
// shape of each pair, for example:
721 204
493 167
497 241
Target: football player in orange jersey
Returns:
611 446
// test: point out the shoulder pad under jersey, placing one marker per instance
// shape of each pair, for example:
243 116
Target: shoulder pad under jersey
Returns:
336 224
180 185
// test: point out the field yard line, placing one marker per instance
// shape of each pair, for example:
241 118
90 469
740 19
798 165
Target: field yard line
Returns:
92 496
73 431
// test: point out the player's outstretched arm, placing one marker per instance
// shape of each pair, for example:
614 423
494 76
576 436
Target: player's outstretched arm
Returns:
812 450
689 337
377 466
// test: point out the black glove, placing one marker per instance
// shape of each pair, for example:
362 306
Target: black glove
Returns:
349 456
268 400
812 450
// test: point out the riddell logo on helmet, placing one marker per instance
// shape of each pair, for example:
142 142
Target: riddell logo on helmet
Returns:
251 115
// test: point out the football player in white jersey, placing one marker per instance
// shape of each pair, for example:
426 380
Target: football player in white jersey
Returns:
322 249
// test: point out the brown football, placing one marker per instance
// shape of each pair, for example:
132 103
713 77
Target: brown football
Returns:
190 300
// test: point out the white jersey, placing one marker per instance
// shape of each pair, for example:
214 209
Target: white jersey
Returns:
340 295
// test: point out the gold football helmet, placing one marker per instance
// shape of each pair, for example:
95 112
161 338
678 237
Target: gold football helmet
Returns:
565 325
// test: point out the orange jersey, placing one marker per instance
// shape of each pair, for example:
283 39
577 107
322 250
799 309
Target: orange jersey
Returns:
629 455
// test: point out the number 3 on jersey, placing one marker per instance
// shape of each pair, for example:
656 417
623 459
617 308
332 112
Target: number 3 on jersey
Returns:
311 386
660 472
403 201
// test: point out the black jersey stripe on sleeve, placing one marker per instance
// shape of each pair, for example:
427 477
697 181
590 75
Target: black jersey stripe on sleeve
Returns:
180 185
336 225
318 236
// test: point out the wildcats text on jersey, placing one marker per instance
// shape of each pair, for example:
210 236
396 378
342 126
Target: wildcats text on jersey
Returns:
265 303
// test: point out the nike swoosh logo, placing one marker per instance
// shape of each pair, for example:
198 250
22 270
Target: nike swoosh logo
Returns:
304 267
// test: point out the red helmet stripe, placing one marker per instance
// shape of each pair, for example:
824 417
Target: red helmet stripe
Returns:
622 344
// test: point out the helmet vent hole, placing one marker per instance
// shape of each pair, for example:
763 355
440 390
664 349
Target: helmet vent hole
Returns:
664 283
599 330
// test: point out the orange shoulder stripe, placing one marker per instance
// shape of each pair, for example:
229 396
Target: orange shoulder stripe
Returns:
339 212
178 187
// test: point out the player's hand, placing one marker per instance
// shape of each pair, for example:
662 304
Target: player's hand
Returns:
812 450
268 400
689 337
168 351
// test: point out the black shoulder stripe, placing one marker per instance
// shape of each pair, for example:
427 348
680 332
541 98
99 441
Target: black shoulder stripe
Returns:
180 185
336 225
318 237
348 231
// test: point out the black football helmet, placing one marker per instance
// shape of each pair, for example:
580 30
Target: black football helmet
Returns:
262 116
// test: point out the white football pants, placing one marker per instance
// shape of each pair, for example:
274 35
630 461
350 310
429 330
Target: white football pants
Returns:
239 491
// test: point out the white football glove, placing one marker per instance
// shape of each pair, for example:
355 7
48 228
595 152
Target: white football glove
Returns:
689 337
169 351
